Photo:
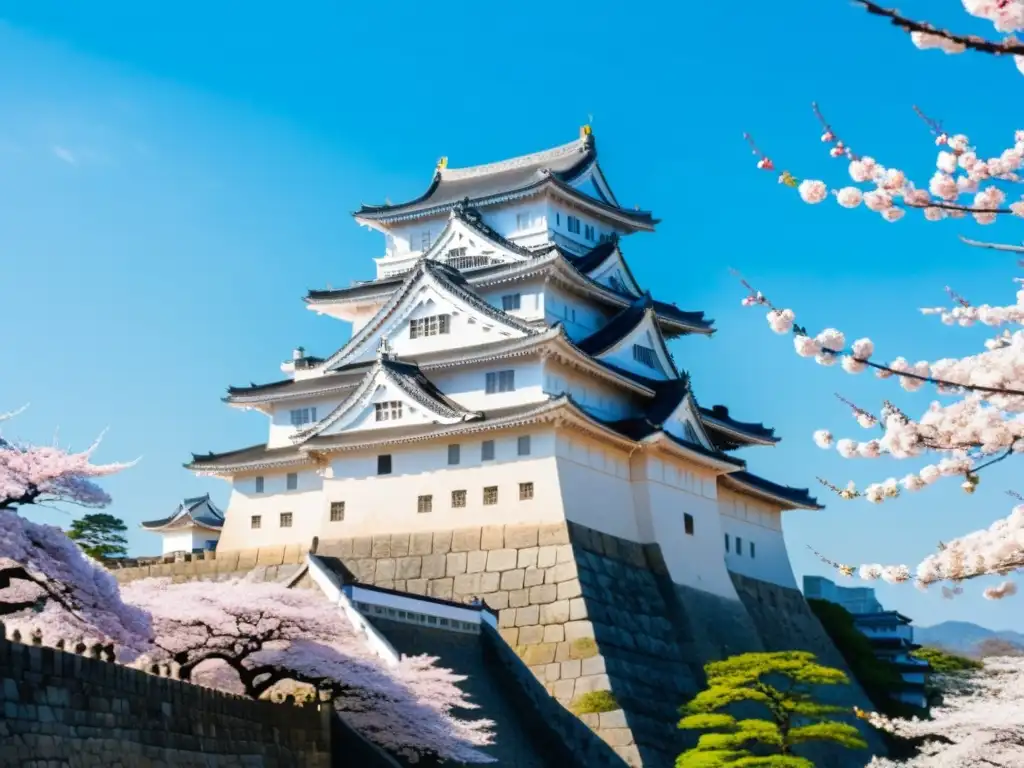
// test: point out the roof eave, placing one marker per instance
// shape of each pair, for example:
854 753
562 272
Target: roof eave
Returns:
784 502
722 465
739 436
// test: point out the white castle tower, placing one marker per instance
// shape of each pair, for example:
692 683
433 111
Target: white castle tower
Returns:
507 422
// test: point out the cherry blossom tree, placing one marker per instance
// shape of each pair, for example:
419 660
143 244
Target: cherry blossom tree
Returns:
979 724
979 419
257 638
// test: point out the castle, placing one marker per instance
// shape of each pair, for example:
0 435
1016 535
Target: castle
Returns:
506 423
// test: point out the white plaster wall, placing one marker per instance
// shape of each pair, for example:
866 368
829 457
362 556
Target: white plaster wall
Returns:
595 486
366 419
305 504
665 489
613 269
579 317
467 386
178 541
504 219
281 428
621 354
531 302
603 400
754 520
558 221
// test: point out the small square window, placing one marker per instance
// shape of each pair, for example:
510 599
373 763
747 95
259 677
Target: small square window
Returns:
511 302
337 511
490 495
739 546
752 552
256 521
286 519
384 464
688 523
525 491
424 504
487 450
454 454
458 499
259 485
523 445
390 410
292 481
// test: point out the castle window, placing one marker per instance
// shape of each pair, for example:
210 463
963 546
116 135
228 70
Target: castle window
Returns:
337 511
752 553
424 504
390 410
588 232
511 302
573 224
558 219
490 495
255 521
291 481
727 543
429 326
487 450
454 454
525 491
384 464
300 416
688 523
644 356
739 546
458 499
259 484
425 240
500 381
524 445
286 519
524 220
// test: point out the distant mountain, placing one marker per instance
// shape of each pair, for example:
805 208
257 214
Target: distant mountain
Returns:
962 636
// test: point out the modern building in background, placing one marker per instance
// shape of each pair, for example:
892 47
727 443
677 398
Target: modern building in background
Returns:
890 632
194 526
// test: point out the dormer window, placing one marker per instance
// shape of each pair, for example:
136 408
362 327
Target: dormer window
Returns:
429 326
511 302
645 356
301 416
390 410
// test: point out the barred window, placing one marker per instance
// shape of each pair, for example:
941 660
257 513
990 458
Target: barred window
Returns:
739 546
644 356
286 519
511 302
424 504
458 499
291 481
752 553
429 326
259 485
300 416
389 410
573 224
525 491
256 521
487 450
490 495
500 381
337 511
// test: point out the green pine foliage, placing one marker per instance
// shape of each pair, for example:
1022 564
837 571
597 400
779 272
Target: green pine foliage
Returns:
100 536
946 663
778 684
594 702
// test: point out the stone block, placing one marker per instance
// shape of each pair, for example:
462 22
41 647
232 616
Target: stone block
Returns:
578 609
492 537
593 666
510 635
400 585
366 570
520 536
555 533
591 683
496 600
385 568
545 593
527 616
362 546
630 756
552 672
476 561
416 586
615 719
528 557
292 554
507 618
270 556
546 556
467 584
541 653
564 553
518 598
563 690
579 630
569 589
441 588
564 650
501 559
616 737
399 545
489 582
442 542
554 633
456 563
531 635
555 613
561 572
571 669
421 543
381 546
409 568
336 548
533 577
466 540
434 566
385 584
512 579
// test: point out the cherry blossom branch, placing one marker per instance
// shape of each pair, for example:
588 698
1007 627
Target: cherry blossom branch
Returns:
993 246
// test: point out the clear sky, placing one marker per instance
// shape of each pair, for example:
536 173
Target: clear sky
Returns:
171 183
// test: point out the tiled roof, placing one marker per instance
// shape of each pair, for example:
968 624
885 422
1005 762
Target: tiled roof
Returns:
199 510
728 433
798 497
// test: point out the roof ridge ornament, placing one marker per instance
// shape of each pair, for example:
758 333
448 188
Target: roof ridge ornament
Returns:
384 350
442 163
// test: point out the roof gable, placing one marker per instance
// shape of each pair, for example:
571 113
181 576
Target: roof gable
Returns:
196 512
614 273
632 340
592 182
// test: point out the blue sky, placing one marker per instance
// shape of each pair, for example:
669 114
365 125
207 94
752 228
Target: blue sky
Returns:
171 184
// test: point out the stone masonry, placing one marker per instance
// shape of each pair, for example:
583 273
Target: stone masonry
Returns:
61 709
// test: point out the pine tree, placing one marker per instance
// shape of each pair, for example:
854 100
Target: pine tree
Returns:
100 536
793 715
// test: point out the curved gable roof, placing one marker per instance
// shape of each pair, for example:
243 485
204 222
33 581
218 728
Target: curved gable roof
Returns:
197 511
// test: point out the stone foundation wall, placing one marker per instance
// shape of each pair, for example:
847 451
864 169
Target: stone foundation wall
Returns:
274 562
64 709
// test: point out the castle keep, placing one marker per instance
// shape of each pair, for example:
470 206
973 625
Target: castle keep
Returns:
507 423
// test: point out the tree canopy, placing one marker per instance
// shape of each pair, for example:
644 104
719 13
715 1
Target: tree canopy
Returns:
780 684
100 535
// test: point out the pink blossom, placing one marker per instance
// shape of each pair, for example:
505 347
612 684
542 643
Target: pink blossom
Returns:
806 346
863 169
781 321
893 214
942 185
878 200
947 162
849 197
812 191
1001 590
823 438
932 213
